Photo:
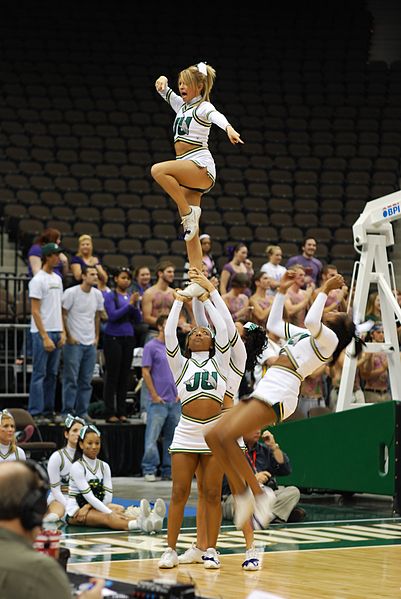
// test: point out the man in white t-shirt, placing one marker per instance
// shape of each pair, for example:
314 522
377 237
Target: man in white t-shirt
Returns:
48 336
82 308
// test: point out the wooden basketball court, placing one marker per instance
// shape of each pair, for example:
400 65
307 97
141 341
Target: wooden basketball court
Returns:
339 559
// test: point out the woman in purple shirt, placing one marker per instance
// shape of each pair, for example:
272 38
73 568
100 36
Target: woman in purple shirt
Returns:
118 344
35 253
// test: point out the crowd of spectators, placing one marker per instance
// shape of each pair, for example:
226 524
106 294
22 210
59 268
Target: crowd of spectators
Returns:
110 314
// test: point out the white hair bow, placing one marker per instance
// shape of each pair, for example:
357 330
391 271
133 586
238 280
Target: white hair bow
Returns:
364 327
361 327
202 68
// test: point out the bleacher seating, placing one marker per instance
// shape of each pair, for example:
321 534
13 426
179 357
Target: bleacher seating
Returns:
82 124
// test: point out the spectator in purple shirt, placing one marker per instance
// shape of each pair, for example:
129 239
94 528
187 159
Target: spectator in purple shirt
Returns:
35 253
118 344
312 266
164 409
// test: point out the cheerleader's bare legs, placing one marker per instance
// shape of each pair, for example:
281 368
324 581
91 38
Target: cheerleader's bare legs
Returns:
222 440
177 178
183 467
210 478
88 516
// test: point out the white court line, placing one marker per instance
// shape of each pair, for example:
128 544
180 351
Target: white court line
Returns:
231 527
150 559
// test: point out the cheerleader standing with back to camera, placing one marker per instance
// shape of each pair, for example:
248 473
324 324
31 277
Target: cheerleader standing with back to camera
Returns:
200 376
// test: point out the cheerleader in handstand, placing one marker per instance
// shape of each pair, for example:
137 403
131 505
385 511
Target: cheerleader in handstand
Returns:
276 396
91 494
247 342
58 469
9 451
200 376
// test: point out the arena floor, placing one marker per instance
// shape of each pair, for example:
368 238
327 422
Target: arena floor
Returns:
341 551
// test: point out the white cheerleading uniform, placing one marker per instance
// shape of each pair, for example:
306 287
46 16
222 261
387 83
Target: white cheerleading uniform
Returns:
58 469
198 377
307 349
192 125
81 473
10 455
237 348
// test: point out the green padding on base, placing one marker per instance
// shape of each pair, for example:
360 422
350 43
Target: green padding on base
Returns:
343 451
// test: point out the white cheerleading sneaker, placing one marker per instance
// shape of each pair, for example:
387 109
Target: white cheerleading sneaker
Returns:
252 561
159 508
192 290
193 555
211 559
244 508
51 517
263 512
190 223
141 523
169 559
144 508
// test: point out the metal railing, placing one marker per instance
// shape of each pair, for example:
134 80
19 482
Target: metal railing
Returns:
14 301
14 371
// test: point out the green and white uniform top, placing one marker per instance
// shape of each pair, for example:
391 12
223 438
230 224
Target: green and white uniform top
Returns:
307 348
82 472
237 348
198 377
7 454
58 469
193 119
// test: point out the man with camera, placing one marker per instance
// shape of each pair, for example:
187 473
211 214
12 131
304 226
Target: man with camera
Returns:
268 461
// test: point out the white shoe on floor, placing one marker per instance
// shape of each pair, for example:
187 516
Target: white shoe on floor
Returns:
160 508
51 517
141 523
263 512
150 478
190 223
192 290
144 508
156 522
252 561
193 555
244 508
169 559
211 559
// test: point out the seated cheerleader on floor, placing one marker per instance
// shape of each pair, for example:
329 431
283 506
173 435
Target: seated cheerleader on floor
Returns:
90 492
9 451
59 467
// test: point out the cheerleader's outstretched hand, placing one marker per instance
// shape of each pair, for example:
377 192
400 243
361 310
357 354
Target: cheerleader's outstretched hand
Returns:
233 135
197 276
161 83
